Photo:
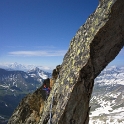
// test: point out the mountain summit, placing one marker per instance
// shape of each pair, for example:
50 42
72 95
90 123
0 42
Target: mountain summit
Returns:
39 74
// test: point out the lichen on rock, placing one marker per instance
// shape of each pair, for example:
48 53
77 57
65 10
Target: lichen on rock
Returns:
95 44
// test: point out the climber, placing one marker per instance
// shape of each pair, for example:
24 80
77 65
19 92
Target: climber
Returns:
47 89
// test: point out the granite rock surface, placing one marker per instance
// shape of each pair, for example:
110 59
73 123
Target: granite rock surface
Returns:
95 44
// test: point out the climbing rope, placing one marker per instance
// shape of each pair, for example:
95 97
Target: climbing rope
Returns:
51 105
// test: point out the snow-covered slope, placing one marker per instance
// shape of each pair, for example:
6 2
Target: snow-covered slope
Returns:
107 102
111 76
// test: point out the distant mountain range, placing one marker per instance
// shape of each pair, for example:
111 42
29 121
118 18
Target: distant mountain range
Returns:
107 102
14 85
17 66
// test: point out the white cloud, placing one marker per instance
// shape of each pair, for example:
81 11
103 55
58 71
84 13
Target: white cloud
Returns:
38 53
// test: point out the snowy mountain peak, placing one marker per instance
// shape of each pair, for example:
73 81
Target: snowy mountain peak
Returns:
37 69
39 74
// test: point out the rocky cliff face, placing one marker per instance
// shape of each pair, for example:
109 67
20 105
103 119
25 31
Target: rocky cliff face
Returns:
95 44
31 107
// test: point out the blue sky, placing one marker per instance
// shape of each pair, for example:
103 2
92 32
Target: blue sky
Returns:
38 32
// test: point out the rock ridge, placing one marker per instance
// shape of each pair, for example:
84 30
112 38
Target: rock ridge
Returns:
31 106
95 44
